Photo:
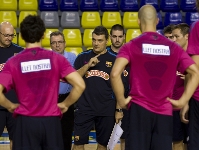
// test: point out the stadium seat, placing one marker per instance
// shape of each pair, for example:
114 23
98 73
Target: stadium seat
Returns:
132 33
160 23
15 39
70 19
188 5
111 18
191 17
46 40
8 5
90 20
89 5
21 42
23 14
151 2
109 5
75 50
87 37
169 5
160 31
73 37
28 5
129 5
50 18
68 5
172 18
48 5
9 16
130 20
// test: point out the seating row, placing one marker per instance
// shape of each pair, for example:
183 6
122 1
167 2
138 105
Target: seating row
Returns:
96 5
90 20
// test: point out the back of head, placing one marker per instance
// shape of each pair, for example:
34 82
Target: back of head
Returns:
168 29
117 27
32 29
147 16
100 30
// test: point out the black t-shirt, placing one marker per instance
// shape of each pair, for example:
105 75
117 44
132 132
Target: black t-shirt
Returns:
98 98
125 75
5 54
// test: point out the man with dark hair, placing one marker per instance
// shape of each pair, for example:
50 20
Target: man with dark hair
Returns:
167 32
153 62
34 74
180 129
7 50
117 37
58 44
96 105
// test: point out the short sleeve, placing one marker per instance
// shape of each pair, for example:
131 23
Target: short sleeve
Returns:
124 52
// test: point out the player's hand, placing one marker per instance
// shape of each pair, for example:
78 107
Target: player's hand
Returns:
93 61
184 114
118 116
177 104
13 107
62 107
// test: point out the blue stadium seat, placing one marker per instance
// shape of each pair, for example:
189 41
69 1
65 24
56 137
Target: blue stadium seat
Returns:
109 5
172 18
151 2
68 5
169 5
191 17
160 24
89 5
188 5
48 5
160 31
129 5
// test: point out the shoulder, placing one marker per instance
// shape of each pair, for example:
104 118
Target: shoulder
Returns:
16 47
85 53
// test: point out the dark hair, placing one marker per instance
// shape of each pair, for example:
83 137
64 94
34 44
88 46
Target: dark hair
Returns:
117 27
100 30
184 28
168 29
56 33
32 29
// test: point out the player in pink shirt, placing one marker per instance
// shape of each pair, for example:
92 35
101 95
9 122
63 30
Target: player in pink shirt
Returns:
35 74
153 62
193 106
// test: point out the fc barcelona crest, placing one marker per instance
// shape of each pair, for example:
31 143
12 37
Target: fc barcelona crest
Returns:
108 64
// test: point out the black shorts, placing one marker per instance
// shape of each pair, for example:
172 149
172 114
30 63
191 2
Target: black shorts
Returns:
124 123
193 143
148 130
84 123
6 120
180 130
38 133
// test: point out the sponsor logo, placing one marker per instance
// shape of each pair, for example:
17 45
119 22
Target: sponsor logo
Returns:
1 66
125 73
97 73
155 49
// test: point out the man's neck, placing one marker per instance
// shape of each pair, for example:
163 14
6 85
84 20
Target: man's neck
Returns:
115 49
31 45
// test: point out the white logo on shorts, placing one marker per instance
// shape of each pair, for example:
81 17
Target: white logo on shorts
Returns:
34 66
155 49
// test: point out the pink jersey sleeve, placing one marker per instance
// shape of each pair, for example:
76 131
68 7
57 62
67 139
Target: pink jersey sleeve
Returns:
124 52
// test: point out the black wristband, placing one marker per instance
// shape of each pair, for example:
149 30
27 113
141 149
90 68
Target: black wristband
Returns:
119 110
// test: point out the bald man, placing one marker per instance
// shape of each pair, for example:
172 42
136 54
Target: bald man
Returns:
7 50
153 61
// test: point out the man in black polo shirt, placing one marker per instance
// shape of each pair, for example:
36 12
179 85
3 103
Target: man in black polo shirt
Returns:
7 50
96 105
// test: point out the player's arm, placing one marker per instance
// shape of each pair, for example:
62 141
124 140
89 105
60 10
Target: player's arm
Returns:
116 81
78 87
92 62
5 102
192 82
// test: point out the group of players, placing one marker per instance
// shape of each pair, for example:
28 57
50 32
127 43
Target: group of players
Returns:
152 84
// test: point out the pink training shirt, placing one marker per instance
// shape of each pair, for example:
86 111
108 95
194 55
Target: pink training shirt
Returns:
153 61
193 48
35 74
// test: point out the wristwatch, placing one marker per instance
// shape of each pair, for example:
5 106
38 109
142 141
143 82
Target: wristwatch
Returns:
119 110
